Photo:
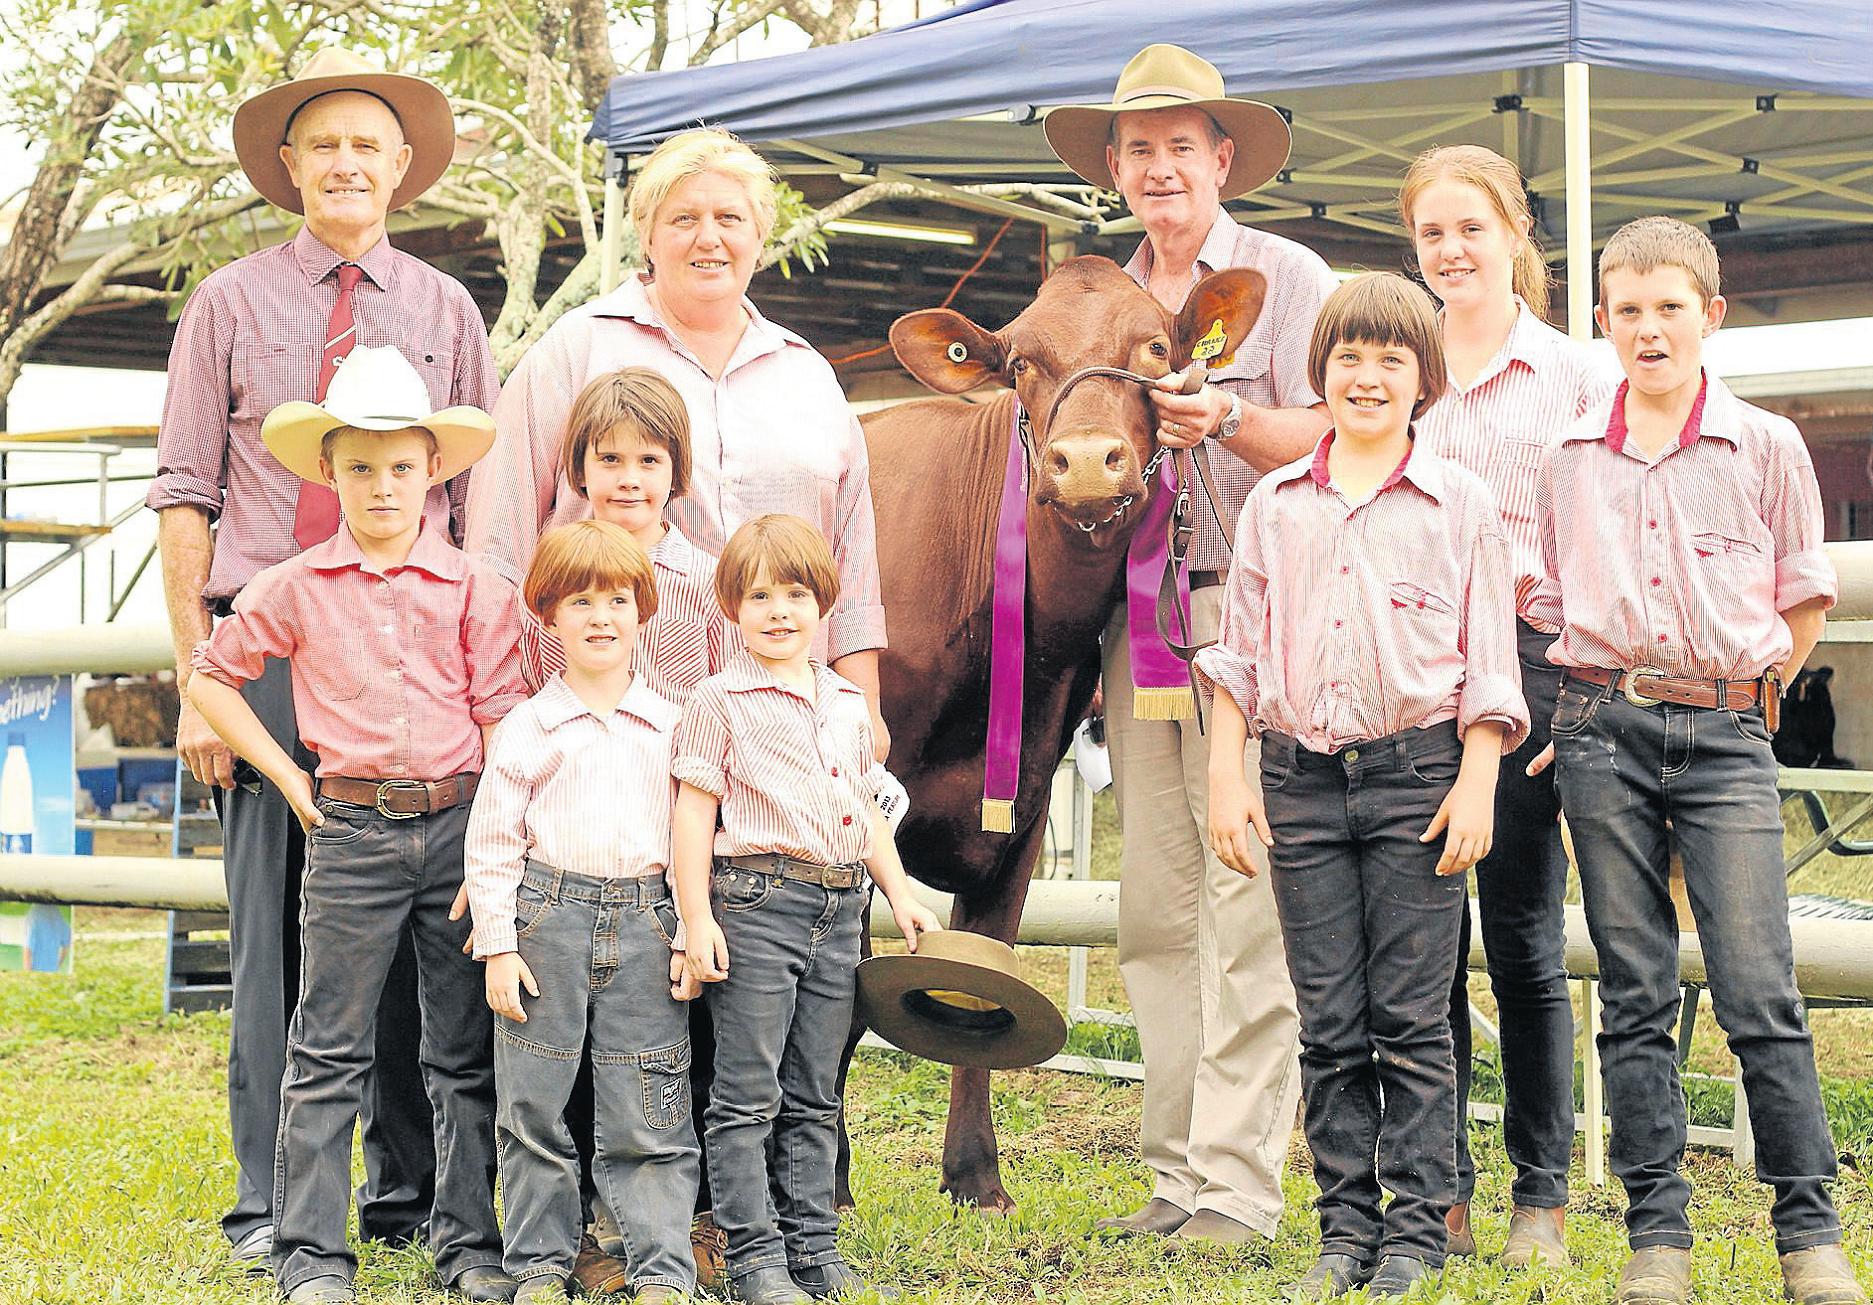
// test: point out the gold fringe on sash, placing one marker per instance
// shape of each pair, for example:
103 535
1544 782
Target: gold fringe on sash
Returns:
1173 703
998 815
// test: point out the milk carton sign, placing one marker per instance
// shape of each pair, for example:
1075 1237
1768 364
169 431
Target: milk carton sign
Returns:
36 776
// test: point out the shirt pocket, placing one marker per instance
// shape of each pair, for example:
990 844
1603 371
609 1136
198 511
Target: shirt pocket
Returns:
339 675
1424 622
266 373
1521 453
435 363
1250 372
1715 546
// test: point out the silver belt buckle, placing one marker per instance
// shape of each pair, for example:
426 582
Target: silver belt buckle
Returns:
1632 694
390 786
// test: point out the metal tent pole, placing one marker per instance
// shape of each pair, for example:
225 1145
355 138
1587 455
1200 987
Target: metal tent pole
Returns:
611 238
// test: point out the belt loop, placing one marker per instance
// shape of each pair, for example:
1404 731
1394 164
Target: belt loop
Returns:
558 884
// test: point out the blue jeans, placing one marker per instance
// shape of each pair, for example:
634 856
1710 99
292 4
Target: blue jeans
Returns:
599 949
1624 771
781 1021
1520 887
367 878
1371 936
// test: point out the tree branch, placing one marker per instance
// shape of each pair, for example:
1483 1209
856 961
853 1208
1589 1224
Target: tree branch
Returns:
783 245
751 15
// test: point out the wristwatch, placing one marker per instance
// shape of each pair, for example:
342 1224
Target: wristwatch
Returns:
1232 420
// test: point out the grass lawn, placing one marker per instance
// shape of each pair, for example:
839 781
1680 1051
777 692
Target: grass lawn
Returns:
114 1171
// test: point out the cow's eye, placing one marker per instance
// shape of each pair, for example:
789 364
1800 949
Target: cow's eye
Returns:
1159 349
1018 365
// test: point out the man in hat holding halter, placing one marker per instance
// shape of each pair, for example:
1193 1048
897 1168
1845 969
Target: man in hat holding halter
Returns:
342 144
1221 1090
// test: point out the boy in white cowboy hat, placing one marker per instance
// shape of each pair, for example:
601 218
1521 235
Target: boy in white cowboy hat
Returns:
404 655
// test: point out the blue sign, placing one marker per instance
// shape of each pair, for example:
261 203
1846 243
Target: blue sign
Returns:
37 781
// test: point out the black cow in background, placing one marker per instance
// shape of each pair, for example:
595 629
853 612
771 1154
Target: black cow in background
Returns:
1806 735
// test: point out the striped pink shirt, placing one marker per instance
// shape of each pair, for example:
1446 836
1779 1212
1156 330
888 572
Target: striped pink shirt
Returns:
394 672
584 794
1683 564
1535 387
687 641
1346 622
794 775
1269 370
774 434
250 339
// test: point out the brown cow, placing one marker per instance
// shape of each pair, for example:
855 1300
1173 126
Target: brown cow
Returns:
936 479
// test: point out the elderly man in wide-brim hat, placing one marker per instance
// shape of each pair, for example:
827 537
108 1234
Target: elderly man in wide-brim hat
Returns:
343 144
1200 946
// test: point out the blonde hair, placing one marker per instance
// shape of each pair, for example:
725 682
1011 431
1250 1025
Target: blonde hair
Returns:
787 549
706 149
1381 308
1499 180
1651 242
636 397
585 556
329 441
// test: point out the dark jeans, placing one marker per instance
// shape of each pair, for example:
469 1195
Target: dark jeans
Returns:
367 878
781 1020
1371 935
599 949
1624 771
264 855
1520 887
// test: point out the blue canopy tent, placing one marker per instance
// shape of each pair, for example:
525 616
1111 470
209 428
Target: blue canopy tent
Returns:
1752 114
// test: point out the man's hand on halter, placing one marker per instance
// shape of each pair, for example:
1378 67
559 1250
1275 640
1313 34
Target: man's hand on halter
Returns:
1186 420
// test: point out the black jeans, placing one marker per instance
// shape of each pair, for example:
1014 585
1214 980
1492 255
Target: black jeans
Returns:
1520 888
1371 936
1624 771
367 879
781 1020
265 855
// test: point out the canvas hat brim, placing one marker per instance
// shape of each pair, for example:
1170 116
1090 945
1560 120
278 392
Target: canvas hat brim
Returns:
293 432
1078 134
1024 1028
423 110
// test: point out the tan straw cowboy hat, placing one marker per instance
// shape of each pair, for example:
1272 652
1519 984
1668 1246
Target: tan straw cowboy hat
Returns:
422 109
375 389
1170 77
960 1000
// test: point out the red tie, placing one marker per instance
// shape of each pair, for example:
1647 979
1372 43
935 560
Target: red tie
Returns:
316 518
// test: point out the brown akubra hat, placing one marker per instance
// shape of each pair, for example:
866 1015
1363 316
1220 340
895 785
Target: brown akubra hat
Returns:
1171 77
960 1000
423 110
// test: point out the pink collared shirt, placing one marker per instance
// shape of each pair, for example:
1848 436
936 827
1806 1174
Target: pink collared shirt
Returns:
394 672
687 641
586 794
1269 370
250 339
794 775
1685 563
774 434
1499 425
1346 622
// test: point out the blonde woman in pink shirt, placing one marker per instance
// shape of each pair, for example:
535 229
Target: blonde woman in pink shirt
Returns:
1514 383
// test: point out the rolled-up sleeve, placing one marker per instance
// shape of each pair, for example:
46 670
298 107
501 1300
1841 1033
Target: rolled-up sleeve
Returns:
857 620
701 751
264 624
491 643
1230 664
496 845
1792 509
192 442
1492 675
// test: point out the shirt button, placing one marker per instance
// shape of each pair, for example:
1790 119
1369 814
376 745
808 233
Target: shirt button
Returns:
1651 525
1656 582
835 772
845 820
397 675
1664 638
399 719
384 628
1352 754
1338 624
1346 570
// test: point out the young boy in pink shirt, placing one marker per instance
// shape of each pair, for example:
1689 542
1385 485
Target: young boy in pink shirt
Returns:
1369 639
1681 540
404 655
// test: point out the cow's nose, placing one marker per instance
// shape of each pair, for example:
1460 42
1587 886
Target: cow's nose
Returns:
1087 467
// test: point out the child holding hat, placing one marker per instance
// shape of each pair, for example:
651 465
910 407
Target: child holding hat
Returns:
404 655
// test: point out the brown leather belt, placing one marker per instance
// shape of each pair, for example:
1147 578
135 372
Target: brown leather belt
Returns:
401 799
1645 687
1207 579
801 872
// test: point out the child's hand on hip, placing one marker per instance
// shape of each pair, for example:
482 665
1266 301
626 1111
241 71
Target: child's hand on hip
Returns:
684 986
299 795
1236 807
707 957
1467 818
506 973
913 918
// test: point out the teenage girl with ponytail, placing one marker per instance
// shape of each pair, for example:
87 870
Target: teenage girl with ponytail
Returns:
1515 383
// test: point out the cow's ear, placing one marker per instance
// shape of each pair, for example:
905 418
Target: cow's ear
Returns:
1221 311
945 350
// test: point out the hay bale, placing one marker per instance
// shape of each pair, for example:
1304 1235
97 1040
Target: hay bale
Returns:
141 710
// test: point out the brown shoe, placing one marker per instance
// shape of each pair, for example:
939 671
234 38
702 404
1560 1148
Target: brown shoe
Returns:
1821 1275
1214 1226
595 1272
1461 1241
1657 1275
1536 1235
1157 1218
709 1244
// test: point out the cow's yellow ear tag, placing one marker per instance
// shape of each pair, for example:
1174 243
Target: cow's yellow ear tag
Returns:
1211 344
